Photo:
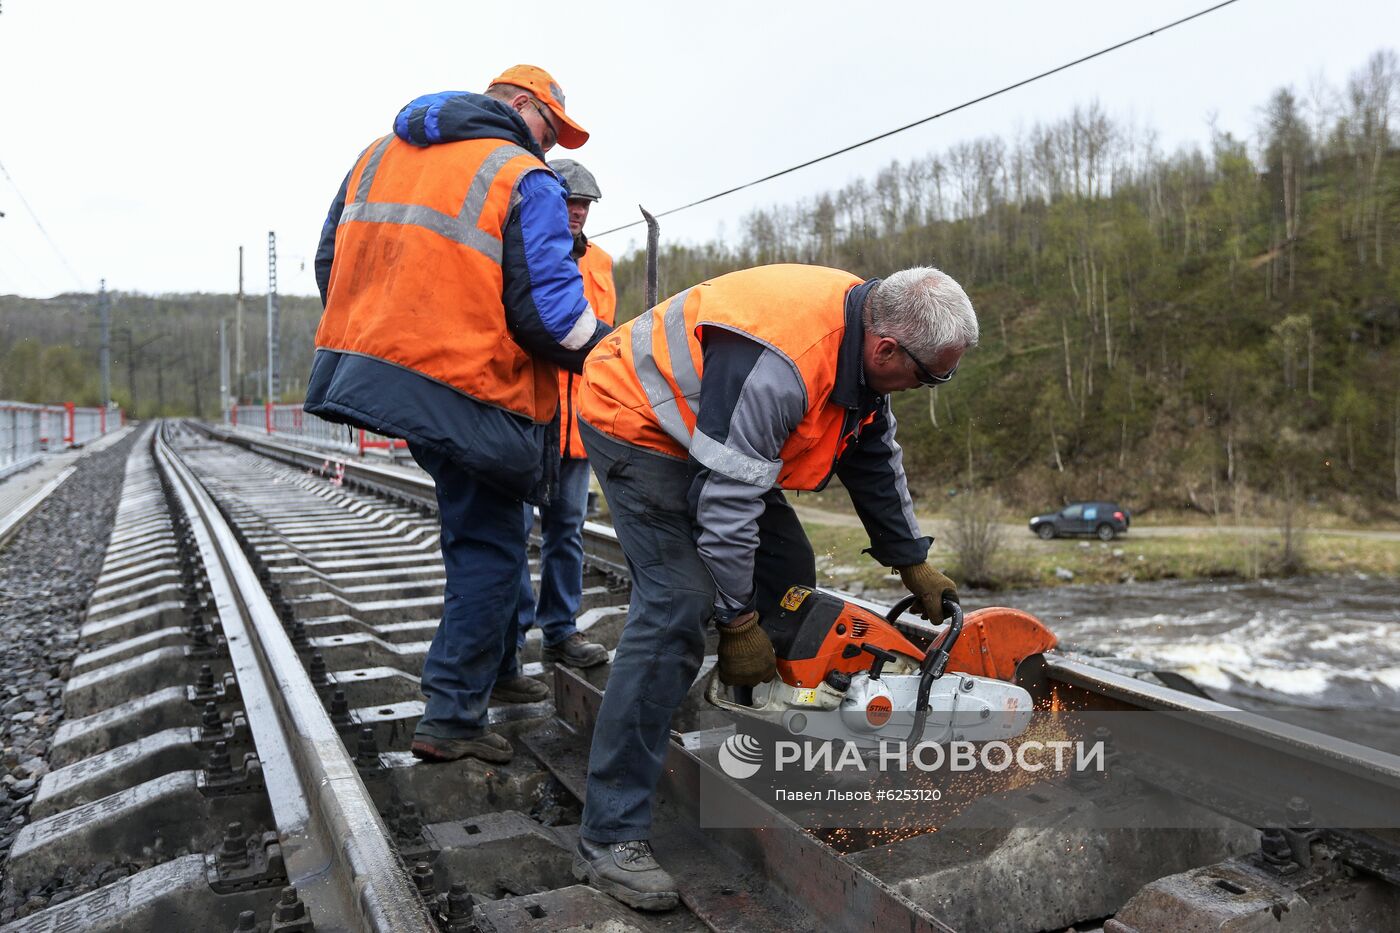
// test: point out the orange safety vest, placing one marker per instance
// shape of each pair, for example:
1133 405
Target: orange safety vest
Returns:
641 384
417 277
596 267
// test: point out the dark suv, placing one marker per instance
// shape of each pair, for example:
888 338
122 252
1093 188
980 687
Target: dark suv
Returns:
1107 520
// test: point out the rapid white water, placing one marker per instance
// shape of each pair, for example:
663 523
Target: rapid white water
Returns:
1319 643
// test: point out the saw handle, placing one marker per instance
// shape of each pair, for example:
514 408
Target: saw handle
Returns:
934 663
937 656
901 607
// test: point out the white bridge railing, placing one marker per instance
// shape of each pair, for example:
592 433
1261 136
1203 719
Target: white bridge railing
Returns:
27 430
291 421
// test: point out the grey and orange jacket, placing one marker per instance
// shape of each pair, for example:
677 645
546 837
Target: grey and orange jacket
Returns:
756 378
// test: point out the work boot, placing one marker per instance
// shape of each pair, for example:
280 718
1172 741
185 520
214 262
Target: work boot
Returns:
488 747
519 689
627 871
576 652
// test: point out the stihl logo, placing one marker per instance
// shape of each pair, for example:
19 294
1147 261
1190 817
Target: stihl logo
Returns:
877 711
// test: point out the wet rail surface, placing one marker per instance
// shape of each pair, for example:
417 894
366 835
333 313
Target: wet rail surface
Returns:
268 786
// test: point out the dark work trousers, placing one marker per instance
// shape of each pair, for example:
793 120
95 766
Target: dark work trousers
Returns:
483 551
561 557
663 642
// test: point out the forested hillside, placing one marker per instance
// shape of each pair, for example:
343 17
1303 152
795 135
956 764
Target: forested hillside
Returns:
1192 328
1214 327
165 349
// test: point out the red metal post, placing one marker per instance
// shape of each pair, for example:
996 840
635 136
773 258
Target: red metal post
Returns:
69 407
267 407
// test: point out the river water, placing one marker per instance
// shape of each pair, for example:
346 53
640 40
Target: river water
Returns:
1315 643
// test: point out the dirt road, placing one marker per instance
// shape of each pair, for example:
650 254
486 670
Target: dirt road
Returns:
1020 533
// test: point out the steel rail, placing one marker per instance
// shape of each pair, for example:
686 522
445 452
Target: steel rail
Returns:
336 847
1192 736
1260 757
385 480
601 550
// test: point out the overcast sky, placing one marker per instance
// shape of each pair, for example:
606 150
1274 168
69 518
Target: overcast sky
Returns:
152 139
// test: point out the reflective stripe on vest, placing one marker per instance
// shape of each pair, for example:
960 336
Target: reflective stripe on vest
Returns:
462 229
721 459
663 401
642 384
417 280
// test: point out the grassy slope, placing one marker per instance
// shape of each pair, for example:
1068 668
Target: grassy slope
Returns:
1209 552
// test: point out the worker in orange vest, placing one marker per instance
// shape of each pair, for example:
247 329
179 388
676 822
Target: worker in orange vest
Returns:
561 519
696 416
451 302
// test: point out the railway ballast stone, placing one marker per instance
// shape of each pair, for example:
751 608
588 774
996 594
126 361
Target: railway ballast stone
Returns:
47 574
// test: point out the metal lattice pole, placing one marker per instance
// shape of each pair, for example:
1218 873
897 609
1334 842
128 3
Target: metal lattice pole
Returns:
274 371
104 356
223 369
238 333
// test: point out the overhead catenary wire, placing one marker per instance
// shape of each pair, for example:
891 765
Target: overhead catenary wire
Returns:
14 271
38 223
942 113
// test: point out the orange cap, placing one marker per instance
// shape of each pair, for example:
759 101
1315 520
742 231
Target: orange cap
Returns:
538 82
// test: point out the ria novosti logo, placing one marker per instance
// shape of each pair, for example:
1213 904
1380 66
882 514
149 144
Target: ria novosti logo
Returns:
740 756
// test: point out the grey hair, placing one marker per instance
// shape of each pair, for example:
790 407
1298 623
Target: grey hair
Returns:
507 92
925 310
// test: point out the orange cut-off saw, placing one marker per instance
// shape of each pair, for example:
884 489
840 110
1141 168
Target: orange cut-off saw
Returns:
846 673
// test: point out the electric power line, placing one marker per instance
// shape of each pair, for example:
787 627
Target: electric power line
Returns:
942 113
35 217
18 267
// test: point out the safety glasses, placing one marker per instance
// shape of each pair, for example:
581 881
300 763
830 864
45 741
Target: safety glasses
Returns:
553 136
927 378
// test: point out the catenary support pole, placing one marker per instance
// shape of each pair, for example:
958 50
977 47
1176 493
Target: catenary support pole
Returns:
274 372
104 313
238 333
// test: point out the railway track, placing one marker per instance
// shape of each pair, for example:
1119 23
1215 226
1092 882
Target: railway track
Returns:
196 762
235 757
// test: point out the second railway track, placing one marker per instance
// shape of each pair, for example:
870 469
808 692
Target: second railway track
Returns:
235 751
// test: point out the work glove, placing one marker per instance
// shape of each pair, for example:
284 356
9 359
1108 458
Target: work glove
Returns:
930 586
746 656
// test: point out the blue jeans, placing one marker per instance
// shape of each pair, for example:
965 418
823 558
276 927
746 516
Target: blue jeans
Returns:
663 642
561 557
483 551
